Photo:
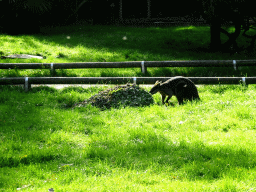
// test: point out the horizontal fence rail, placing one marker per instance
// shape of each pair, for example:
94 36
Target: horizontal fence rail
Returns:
27 81
131 64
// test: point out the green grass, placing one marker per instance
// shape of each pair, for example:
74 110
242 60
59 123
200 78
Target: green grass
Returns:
46 143
118 43
203 146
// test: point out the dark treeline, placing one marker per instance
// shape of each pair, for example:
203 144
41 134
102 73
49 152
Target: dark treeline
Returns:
27 16
30 15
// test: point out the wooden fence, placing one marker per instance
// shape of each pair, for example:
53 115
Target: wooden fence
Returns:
131 64
28 81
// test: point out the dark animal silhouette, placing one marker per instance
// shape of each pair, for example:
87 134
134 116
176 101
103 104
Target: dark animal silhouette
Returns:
181 87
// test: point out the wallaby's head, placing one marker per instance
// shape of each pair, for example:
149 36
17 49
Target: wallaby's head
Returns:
155 88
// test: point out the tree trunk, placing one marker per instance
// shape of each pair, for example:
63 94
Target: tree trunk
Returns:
149 11
120 11
215 28
215 34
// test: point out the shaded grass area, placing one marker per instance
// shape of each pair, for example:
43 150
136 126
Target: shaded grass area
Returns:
202 146
118 43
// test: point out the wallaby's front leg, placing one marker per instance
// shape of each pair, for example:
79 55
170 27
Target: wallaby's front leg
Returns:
169 97
163 98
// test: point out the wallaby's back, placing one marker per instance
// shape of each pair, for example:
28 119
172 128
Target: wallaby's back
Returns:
182 85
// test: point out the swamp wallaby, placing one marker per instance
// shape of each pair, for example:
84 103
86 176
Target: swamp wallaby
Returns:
181 87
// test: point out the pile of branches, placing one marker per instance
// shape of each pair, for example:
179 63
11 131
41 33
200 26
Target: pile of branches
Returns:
121 95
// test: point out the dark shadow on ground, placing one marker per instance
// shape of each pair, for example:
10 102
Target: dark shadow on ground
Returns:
169 43
172 41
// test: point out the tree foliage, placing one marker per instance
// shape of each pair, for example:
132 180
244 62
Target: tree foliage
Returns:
27 15
38 6
239 13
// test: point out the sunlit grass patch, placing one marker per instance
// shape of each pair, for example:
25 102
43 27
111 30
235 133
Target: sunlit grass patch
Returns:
205 146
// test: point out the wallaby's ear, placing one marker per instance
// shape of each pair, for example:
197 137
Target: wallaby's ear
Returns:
184 84
158 82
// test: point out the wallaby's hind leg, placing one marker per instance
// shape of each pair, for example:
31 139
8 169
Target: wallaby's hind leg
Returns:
180 98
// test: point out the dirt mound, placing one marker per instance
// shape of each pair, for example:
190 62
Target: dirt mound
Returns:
121 95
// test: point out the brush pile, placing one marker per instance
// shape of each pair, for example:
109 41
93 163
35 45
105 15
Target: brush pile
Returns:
121 95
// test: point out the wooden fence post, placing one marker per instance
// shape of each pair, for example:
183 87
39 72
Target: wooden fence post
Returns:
52 70
143 68
27 86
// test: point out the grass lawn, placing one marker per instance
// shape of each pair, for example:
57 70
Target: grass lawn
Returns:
204 146
46 143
